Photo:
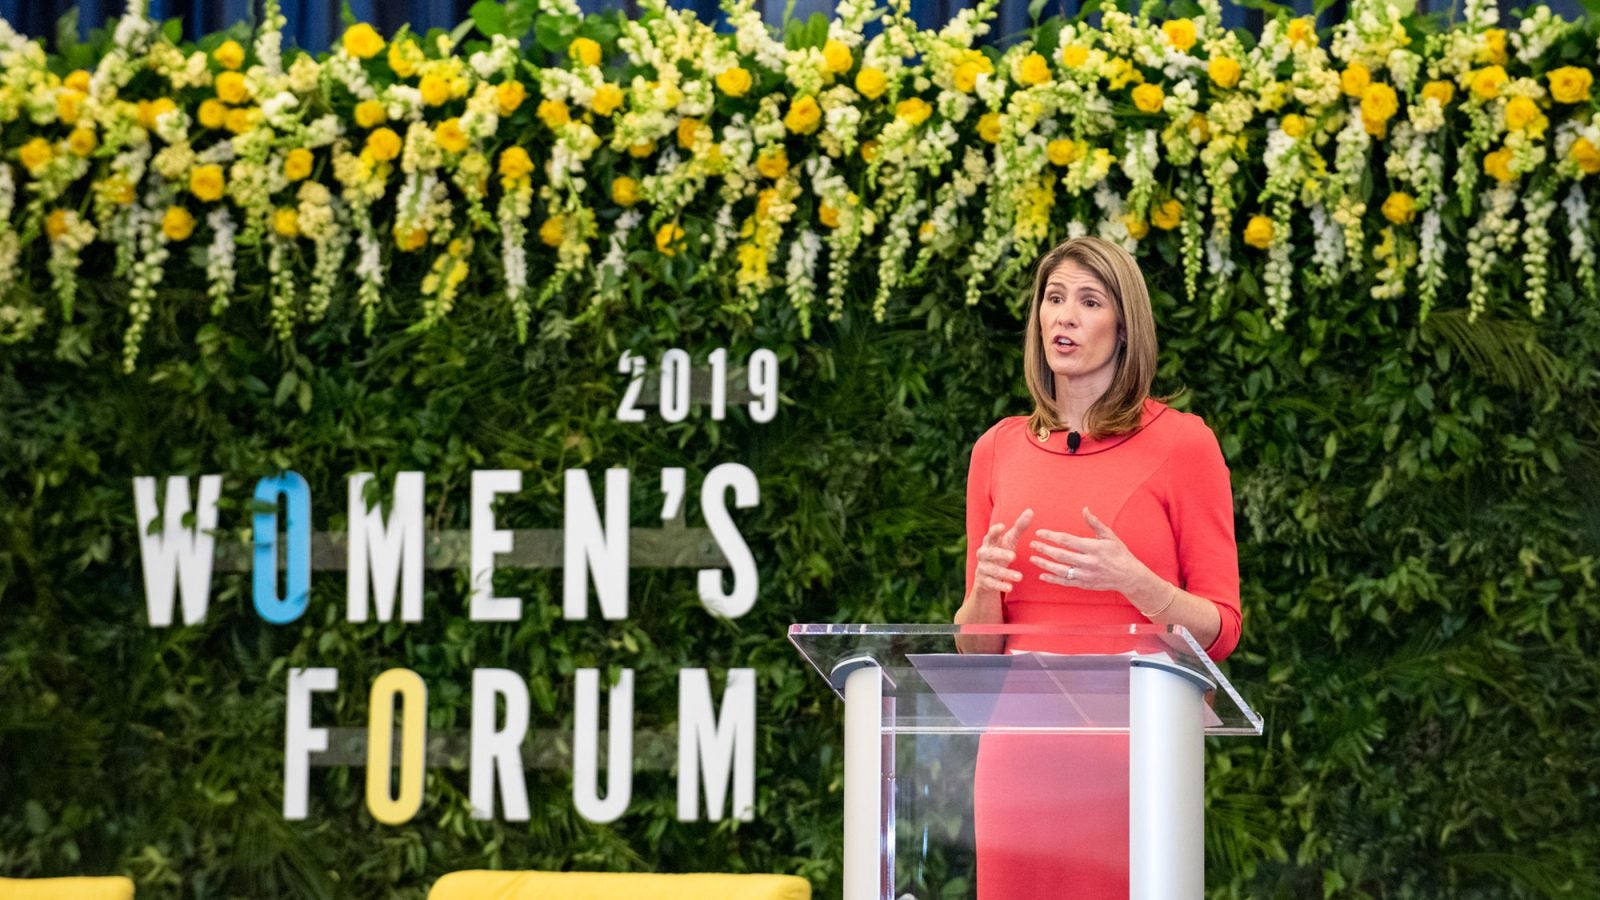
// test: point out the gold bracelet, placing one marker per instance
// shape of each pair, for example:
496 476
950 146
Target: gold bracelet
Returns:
1171 600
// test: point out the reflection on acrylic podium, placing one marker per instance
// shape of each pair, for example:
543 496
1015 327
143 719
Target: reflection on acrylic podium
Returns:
916 711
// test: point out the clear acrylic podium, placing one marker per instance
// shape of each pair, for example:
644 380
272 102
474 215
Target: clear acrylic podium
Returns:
915 708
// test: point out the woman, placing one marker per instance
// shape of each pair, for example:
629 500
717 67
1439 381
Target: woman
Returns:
1103 507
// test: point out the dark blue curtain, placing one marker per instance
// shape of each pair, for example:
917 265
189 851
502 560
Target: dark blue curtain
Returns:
315 24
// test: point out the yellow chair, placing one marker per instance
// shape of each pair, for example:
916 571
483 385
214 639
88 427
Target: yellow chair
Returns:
483 885
113 887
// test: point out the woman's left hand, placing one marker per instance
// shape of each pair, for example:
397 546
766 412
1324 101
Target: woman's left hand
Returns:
1100 563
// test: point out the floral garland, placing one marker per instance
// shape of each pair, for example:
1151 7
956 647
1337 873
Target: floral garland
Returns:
769 162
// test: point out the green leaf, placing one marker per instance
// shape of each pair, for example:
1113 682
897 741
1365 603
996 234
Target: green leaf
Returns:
489 16
67 31
554 33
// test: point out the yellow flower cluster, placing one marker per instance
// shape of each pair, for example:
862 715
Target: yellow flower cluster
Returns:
682 130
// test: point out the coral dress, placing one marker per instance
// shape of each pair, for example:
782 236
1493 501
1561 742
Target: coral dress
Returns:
1052 811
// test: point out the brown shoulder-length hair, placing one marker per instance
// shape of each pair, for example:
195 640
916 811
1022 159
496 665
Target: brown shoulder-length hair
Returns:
1119 409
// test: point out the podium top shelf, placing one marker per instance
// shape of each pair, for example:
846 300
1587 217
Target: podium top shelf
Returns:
1048 679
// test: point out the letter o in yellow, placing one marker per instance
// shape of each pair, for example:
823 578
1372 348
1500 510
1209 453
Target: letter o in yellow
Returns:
388 808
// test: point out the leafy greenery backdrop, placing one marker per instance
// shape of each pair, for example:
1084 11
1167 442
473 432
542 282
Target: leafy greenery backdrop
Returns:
1416 512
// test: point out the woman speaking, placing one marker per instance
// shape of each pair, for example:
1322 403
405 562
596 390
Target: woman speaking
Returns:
1102 507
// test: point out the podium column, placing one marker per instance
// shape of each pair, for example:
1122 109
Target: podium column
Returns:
1166 781
863 778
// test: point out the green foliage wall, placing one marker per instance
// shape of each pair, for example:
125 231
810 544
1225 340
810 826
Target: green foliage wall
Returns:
1417 514
1417 530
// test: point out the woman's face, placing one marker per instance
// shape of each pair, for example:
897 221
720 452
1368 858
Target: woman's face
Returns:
1081 333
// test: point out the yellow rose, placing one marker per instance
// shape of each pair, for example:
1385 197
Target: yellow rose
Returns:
205 182
735 82
554 113
1569 84
640 151
1258 233
828 216
35 154
403 59
508 96
55 224
1136 225
1180 33
78 81
1494 47
871 82
414 239
297 164
913 109
1442 91
624 191
989 127
151 110
1302 32
435 90
1167 216
668 237
231 88
1497 165
552 231
1033 70
68 106
836 58
239 121
1074 55
449 135
229 55
212 113
584 51
1061 152
177 224
370 113
1379 103
607 97
1486 82
804 115
688 131
515 163
82 141
1148 97
1294 125
362 41
1354 80
286 221
773 164
383 144
966 75
1224 71
1520 113
1400 208
1586 155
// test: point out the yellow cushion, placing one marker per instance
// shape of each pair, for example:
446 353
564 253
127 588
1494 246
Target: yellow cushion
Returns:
609 885
113 887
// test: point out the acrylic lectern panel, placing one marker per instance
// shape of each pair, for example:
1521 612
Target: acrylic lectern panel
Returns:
1051 678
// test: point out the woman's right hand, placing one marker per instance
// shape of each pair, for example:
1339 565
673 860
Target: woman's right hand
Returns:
991 580
999 549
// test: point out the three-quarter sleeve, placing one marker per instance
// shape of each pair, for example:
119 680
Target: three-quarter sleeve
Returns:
980 499
1201 509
